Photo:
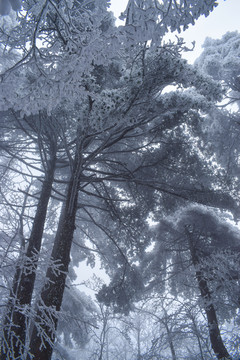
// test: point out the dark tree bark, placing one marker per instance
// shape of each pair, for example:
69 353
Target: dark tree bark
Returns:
214 332
24 278
52 293
174 357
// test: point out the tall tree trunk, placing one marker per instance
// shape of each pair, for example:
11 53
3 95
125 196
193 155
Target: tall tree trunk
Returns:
43 335
15 321
170 340
214 332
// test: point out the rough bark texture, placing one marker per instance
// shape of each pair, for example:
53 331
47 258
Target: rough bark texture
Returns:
214 332
43 335
24 278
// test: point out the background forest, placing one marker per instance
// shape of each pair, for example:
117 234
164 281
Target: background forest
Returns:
117 154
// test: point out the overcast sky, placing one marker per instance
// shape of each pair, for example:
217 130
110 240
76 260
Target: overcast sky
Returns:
226 17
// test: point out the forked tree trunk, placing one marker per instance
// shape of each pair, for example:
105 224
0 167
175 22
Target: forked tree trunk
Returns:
214 332
15 321
43 335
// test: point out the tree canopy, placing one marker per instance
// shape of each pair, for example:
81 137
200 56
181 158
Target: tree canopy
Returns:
115 151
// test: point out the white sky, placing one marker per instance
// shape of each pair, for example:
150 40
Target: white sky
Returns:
225 17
